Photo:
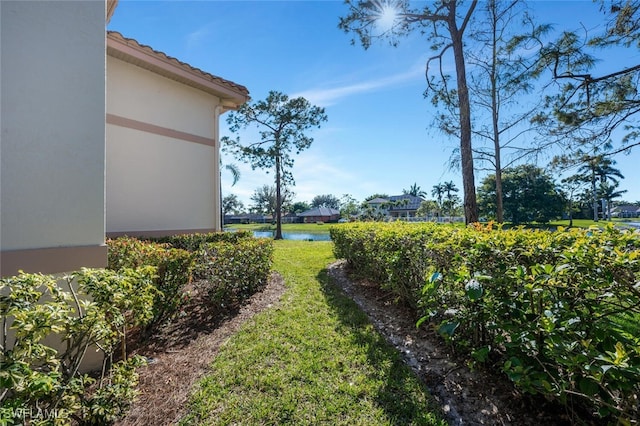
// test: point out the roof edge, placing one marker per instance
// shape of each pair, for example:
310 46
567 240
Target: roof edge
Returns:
111 7
129 50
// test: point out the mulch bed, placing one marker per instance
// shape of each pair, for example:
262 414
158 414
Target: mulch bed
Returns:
182 350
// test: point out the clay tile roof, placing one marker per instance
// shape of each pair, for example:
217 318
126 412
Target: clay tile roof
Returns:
129 50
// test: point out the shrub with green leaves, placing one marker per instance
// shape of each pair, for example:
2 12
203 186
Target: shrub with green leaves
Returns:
194 244
234 271
558 312
173 268
38 376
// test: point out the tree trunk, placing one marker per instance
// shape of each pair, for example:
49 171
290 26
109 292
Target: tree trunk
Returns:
594 201
278 235
495 114
466 153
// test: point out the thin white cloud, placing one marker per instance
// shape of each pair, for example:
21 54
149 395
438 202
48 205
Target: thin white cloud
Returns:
194 38
330 96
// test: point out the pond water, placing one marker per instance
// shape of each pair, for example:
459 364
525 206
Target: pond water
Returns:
299 236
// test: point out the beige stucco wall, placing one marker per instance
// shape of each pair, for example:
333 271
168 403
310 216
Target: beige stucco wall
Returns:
157 180
52 143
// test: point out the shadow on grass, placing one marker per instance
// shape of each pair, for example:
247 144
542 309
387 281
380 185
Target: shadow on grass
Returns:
404 398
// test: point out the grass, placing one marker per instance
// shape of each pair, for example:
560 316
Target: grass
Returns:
310 228
315 359
584 223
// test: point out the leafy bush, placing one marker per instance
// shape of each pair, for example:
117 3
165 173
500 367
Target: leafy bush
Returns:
39 383
194 243
557 311
234 271
173 267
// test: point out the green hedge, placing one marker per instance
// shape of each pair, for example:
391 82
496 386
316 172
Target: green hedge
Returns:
173 269
558 312
234 271
194 243
229 265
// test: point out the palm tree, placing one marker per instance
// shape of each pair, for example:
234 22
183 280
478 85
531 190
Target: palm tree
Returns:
598 167
449 188
415 190
438 191
235 173
608 192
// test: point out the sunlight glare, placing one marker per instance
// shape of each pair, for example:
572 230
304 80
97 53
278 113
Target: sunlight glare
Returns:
386 16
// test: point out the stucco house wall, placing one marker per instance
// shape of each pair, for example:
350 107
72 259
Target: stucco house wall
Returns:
52 141
163 165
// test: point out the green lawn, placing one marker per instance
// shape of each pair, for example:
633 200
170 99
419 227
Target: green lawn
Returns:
584 223
315 359
311 228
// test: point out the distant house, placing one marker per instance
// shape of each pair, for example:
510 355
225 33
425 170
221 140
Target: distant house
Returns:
404 205
320 214
396 206
626 211
291 217
236 219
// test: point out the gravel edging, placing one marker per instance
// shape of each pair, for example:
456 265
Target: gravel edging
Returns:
468 397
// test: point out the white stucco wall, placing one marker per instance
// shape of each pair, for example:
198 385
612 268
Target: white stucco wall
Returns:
52 142
142 95
159 182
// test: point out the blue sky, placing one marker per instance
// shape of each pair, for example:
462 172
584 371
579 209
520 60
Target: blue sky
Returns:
379 137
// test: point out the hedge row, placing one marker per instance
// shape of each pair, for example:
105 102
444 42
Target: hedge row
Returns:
144 284
173 270
195 244
558 312
234 271
230 266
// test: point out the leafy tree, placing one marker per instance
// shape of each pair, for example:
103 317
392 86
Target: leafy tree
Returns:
428 208
445 25
415 190
597 170
571 188
349 206
231 204
328 200
502 71
529 195
282 123
264 200
300 206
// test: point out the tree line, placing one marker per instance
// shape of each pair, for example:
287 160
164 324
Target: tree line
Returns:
530 194
501 53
